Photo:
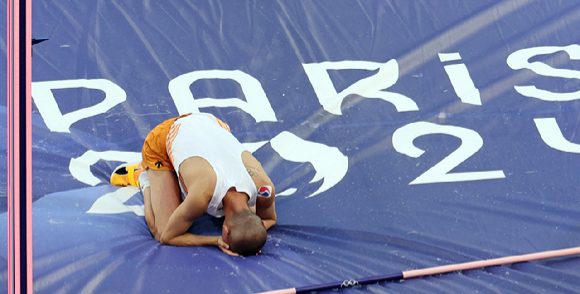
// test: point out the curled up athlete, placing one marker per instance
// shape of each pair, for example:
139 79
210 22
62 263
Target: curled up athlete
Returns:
192 164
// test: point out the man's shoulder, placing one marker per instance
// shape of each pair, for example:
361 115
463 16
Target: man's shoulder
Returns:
198 176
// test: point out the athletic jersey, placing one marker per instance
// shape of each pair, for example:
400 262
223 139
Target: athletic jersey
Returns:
207 137
154 152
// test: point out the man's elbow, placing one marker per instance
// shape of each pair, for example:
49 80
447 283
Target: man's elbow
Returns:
270 222
274 219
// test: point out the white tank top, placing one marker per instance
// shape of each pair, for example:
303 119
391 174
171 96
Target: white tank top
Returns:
201 135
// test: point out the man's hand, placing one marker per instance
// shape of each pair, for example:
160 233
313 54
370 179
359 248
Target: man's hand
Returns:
225 247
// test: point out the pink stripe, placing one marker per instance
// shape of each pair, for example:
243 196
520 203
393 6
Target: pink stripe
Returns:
16 119
283 291
491 262
9 133
28 118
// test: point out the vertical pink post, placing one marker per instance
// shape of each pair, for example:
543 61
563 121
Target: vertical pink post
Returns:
10 135
28 51
19 133
16 144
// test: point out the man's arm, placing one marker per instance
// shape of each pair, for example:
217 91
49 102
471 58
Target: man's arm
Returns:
175 232
266 210
265 207
200 180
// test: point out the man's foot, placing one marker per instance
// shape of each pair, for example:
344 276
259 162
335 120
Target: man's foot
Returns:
127 174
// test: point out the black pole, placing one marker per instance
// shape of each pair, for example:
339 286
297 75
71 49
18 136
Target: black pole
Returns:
23 118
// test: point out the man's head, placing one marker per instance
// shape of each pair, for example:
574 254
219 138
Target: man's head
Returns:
245 233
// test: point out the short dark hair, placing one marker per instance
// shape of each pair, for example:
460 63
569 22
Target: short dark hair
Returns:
247 234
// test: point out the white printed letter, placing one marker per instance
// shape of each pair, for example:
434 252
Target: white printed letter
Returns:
114 202
256 104
460 79
371 87
50 112
553 137
80 168
520 60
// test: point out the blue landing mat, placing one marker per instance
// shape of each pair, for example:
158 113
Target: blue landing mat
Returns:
399 134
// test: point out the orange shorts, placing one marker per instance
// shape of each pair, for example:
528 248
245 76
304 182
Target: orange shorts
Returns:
154 150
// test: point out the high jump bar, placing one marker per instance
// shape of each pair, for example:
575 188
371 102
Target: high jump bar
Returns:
431 271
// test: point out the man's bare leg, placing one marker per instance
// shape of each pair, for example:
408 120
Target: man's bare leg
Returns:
149 216
160 200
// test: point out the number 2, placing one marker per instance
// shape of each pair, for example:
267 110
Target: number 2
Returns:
471 142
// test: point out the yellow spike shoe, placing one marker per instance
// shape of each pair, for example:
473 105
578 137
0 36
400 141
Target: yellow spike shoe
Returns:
127 174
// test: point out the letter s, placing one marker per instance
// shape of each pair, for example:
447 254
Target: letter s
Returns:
520 60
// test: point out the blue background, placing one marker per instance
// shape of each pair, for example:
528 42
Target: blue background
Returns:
372 222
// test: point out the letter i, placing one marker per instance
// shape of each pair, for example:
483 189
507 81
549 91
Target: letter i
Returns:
460 79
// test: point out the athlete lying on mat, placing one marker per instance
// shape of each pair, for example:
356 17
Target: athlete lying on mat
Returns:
193 164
